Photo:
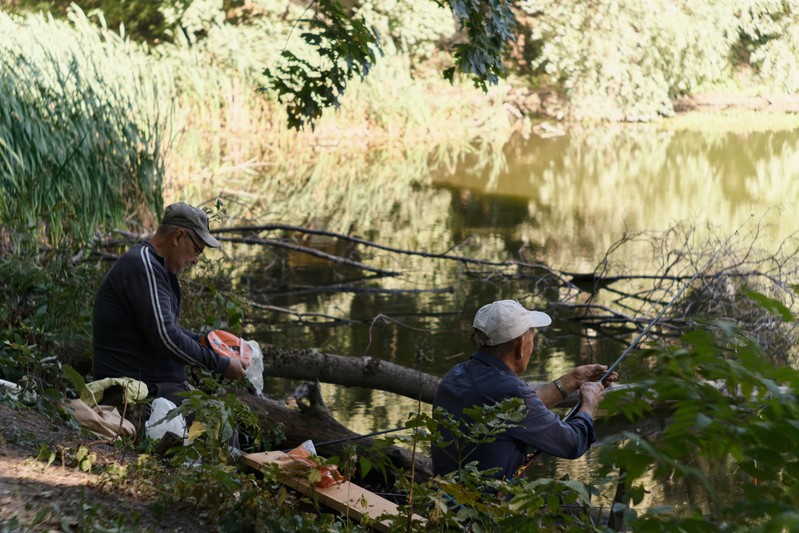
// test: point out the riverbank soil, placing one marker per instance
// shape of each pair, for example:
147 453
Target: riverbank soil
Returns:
62 497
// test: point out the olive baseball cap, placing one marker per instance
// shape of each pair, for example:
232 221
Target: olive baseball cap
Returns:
183 215
505 320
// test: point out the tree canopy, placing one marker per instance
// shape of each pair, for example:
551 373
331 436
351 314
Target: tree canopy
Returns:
616 60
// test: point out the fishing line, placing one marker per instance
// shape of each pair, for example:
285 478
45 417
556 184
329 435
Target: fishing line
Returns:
357 437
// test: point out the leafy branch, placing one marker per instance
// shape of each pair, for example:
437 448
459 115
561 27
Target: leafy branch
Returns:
346 48
489 27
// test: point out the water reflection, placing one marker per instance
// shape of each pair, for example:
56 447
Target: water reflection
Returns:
561 201
584 189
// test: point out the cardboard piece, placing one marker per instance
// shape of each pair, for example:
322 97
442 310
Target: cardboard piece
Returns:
347 498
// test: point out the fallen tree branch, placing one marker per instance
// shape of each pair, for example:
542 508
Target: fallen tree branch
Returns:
315 422
364 242
352 371
310 251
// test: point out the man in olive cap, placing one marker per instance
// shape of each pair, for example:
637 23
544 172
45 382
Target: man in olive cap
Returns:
505 331
136 326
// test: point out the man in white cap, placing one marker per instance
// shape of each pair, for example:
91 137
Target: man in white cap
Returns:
136 329
505 331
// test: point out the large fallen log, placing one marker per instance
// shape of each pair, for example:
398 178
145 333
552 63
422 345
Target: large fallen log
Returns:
368 372
351 371
310 419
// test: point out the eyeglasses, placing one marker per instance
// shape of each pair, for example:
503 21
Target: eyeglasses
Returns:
197 249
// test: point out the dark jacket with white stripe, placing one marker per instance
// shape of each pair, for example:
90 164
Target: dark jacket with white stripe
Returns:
136 323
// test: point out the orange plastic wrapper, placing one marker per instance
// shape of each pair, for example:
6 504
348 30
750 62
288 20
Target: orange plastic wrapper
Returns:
299 459
227 345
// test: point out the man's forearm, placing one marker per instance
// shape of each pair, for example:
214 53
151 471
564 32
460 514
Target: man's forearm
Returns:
551 394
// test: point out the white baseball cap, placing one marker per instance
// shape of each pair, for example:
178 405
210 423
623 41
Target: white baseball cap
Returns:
504 320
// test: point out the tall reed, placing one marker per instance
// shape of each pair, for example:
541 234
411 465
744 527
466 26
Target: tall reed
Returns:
81 134
90 119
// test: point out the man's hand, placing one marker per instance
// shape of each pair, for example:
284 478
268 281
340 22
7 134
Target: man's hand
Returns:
236 369
588 373
591 394
574 380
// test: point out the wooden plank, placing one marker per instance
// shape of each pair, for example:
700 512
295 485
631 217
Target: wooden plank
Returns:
347 498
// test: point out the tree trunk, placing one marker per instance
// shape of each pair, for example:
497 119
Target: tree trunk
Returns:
350 371
313 421
368 372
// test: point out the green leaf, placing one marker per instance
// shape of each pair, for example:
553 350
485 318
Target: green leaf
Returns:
579 488
73 376
775 307
365 464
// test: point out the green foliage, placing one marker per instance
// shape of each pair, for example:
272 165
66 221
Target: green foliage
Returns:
144 20
141 19
472 499
80 137
417 28
617 60
485 424
45 323
46 302
227 496
769 41
215 421
730 410
489 26
194 17
346 49
773 306
625 60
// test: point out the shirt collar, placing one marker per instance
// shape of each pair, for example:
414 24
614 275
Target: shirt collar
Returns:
153 251
492 361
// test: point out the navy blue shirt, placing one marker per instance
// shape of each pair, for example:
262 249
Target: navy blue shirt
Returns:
487 380
136 329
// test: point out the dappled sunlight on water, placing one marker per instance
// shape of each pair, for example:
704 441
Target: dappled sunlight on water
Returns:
562 202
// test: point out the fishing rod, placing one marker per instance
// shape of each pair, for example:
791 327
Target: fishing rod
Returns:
531 459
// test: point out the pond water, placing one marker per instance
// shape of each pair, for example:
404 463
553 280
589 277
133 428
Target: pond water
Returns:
561 201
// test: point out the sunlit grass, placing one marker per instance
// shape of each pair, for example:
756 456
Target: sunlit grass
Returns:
81 143
94 125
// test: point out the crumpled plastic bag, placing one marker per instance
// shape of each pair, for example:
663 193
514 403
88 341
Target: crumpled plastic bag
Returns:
255 372
161 422
226 344
298 461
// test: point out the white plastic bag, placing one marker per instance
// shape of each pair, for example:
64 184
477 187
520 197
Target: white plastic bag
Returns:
255 372
158 424
13 391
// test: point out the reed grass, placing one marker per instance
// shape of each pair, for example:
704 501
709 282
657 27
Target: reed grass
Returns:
94 125
218 92
81 139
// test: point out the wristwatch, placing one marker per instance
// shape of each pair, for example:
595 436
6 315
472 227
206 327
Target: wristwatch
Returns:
559 384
